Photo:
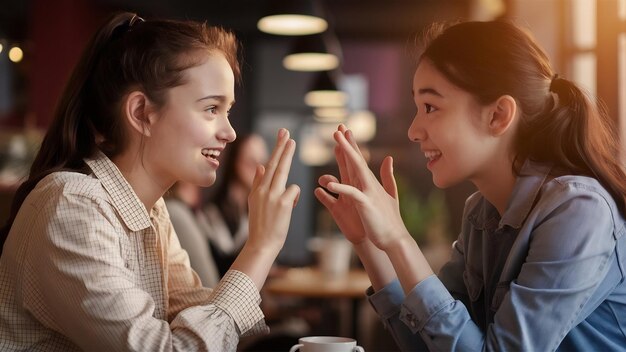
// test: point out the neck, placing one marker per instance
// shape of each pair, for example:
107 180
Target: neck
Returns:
496 185
142 181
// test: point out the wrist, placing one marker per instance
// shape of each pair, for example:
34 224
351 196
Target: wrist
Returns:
267 249
401 239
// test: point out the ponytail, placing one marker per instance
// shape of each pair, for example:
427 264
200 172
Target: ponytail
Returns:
576 136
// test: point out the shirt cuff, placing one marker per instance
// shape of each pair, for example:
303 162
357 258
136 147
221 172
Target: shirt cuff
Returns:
238 296
386 302
423 302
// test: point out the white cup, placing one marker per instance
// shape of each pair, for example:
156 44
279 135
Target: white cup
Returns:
326 344
334 254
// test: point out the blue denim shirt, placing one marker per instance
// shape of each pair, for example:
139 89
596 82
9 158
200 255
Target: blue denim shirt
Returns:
547 275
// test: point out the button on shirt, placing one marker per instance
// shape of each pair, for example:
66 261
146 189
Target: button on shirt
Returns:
547 275
86 267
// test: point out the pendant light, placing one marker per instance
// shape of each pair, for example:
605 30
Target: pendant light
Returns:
325 93
293 17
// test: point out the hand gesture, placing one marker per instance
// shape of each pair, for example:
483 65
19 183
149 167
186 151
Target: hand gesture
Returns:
351 213
270 203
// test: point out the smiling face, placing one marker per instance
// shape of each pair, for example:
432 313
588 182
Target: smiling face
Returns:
452 129
192 129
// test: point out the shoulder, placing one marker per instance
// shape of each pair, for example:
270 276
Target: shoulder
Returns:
579 198
65 190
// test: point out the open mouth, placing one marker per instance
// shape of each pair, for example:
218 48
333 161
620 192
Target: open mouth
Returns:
432 155
210 153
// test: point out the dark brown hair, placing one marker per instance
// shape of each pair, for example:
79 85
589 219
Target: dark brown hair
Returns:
559 123
126 53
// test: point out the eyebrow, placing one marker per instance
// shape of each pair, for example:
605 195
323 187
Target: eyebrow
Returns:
432 91
220 98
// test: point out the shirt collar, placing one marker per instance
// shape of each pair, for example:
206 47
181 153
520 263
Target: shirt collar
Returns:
527 186
529 182
123 198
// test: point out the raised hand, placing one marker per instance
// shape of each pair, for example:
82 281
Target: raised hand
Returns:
341 208
270 202
360 192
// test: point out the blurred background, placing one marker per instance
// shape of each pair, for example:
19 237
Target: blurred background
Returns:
367 49
373 44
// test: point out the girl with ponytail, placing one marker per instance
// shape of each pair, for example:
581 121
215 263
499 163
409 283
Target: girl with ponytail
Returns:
540 264
90 259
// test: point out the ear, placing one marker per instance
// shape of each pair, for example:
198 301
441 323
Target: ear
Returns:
502 115
139 112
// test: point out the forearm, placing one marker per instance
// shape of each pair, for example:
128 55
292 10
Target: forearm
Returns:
376 263
409 262
255 262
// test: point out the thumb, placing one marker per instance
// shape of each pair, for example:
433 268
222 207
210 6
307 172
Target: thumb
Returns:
387 178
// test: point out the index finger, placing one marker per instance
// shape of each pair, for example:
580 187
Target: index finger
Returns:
352 156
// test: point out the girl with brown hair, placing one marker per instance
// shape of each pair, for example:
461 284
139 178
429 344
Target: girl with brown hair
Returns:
91 261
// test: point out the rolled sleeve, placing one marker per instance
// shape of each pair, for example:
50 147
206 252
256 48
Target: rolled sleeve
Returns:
237 295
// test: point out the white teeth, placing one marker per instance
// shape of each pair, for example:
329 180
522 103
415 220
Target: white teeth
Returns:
430 155
213 153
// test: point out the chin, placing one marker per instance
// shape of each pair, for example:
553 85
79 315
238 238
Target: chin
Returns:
444 183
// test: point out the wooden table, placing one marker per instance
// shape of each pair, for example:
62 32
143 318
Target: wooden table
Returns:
309 282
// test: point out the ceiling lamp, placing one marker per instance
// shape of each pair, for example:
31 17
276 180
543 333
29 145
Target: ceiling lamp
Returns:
324 93
330 114
293 17
313 53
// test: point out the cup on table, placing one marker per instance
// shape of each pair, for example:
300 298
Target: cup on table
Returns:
334 255
326 344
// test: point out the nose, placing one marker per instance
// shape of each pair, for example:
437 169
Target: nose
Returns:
416 131
226 132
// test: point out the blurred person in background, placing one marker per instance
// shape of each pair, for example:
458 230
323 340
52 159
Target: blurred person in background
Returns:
540 264
227 209
184 206
90 259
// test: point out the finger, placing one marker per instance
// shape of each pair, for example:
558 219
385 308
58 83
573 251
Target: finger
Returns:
348 191
353 157
258 176
325 198
283 137
350 138
284 165
292 194
341 164
387 178
350 176
325 179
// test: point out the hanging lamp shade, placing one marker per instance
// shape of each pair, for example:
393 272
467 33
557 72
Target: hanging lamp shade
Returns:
315 52
325 93
293 17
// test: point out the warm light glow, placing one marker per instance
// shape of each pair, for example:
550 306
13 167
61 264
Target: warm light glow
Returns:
584 71
311 62
330 114
326 98
363 125
16 54
1 47
584 16
292 24
314 151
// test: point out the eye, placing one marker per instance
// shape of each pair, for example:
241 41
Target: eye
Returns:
429 108
211 109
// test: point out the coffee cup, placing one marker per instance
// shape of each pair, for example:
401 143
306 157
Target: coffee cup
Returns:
326 344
